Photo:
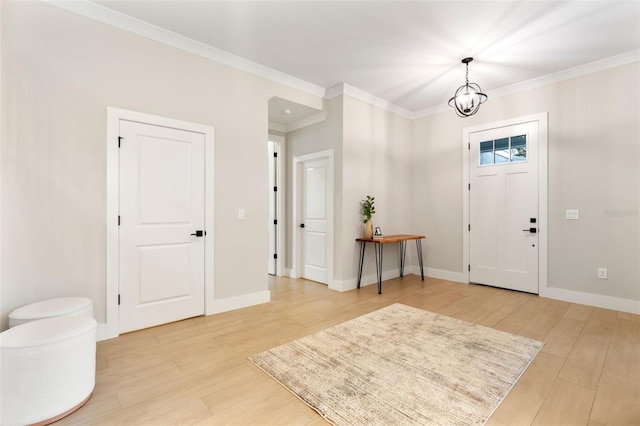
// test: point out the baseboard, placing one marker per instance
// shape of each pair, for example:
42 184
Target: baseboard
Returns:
597 300
103 333
445 275
285 272
238 302
342 285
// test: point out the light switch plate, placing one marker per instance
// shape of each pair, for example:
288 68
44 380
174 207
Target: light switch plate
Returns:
572 214
241 214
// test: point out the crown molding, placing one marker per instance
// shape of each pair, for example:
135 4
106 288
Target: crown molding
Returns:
307 121
277 127
144 29
345 89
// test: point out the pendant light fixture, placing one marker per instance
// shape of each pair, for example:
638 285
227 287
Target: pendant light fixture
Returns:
468 97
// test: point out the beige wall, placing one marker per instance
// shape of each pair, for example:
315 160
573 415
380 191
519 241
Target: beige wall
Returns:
594 166
377 162
60 72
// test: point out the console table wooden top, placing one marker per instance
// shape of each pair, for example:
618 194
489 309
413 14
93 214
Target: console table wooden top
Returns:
391 238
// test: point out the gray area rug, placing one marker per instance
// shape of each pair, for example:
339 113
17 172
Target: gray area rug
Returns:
401 366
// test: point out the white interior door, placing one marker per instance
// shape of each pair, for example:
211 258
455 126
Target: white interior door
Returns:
503 203
161 199
273 207
315 223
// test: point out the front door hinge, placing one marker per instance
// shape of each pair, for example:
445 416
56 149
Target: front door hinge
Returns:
118 220
275 255
118 299
119 140
469 227
469 267
275 154
469 146
275 221
275 189
469 187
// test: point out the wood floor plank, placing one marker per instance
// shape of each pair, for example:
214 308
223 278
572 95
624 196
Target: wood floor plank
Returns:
525 399
623 357
586 360
516 321
617 401
196 371
547 317
566 404
562 338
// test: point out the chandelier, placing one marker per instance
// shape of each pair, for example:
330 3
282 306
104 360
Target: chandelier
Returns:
468 97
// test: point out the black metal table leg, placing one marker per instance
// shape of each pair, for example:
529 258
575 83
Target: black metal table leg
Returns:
378 249
362 247
419 248
403 249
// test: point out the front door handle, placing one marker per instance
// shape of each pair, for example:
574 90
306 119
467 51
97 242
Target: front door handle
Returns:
302 225
199 233
532 230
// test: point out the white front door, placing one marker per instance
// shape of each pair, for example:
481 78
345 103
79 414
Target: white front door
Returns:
503 203
161 203
315 222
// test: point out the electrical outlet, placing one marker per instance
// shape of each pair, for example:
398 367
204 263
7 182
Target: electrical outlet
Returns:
602 273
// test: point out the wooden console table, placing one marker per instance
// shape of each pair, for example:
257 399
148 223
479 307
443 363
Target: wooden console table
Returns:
378 243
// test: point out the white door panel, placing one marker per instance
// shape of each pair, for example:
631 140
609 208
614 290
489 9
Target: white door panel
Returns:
316 188
315 254
503 202
161 204
164 174
161 269
315 219
487 252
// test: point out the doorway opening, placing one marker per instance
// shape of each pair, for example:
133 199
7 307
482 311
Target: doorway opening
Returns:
312 218
115 119
276 154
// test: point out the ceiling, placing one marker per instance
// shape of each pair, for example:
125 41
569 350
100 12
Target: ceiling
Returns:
406 53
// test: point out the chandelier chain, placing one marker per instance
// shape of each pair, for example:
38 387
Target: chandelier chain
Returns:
466 76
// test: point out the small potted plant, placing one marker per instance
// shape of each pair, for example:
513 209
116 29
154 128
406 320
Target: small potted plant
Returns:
368 210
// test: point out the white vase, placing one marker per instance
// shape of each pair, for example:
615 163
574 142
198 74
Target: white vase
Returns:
368 229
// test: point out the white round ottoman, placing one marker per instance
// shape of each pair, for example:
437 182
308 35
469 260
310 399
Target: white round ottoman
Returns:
81 306
48 369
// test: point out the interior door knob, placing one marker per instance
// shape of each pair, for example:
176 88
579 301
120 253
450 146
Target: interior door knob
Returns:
532 230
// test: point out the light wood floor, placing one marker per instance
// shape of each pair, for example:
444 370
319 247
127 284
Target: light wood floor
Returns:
196 371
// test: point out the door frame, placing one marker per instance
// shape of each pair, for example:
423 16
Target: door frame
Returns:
281 179
542 120
114 115
296 245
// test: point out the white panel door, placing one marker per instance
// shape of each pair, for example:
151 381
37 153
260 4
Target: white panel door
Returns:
161 206
315 220
503 202
273 207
